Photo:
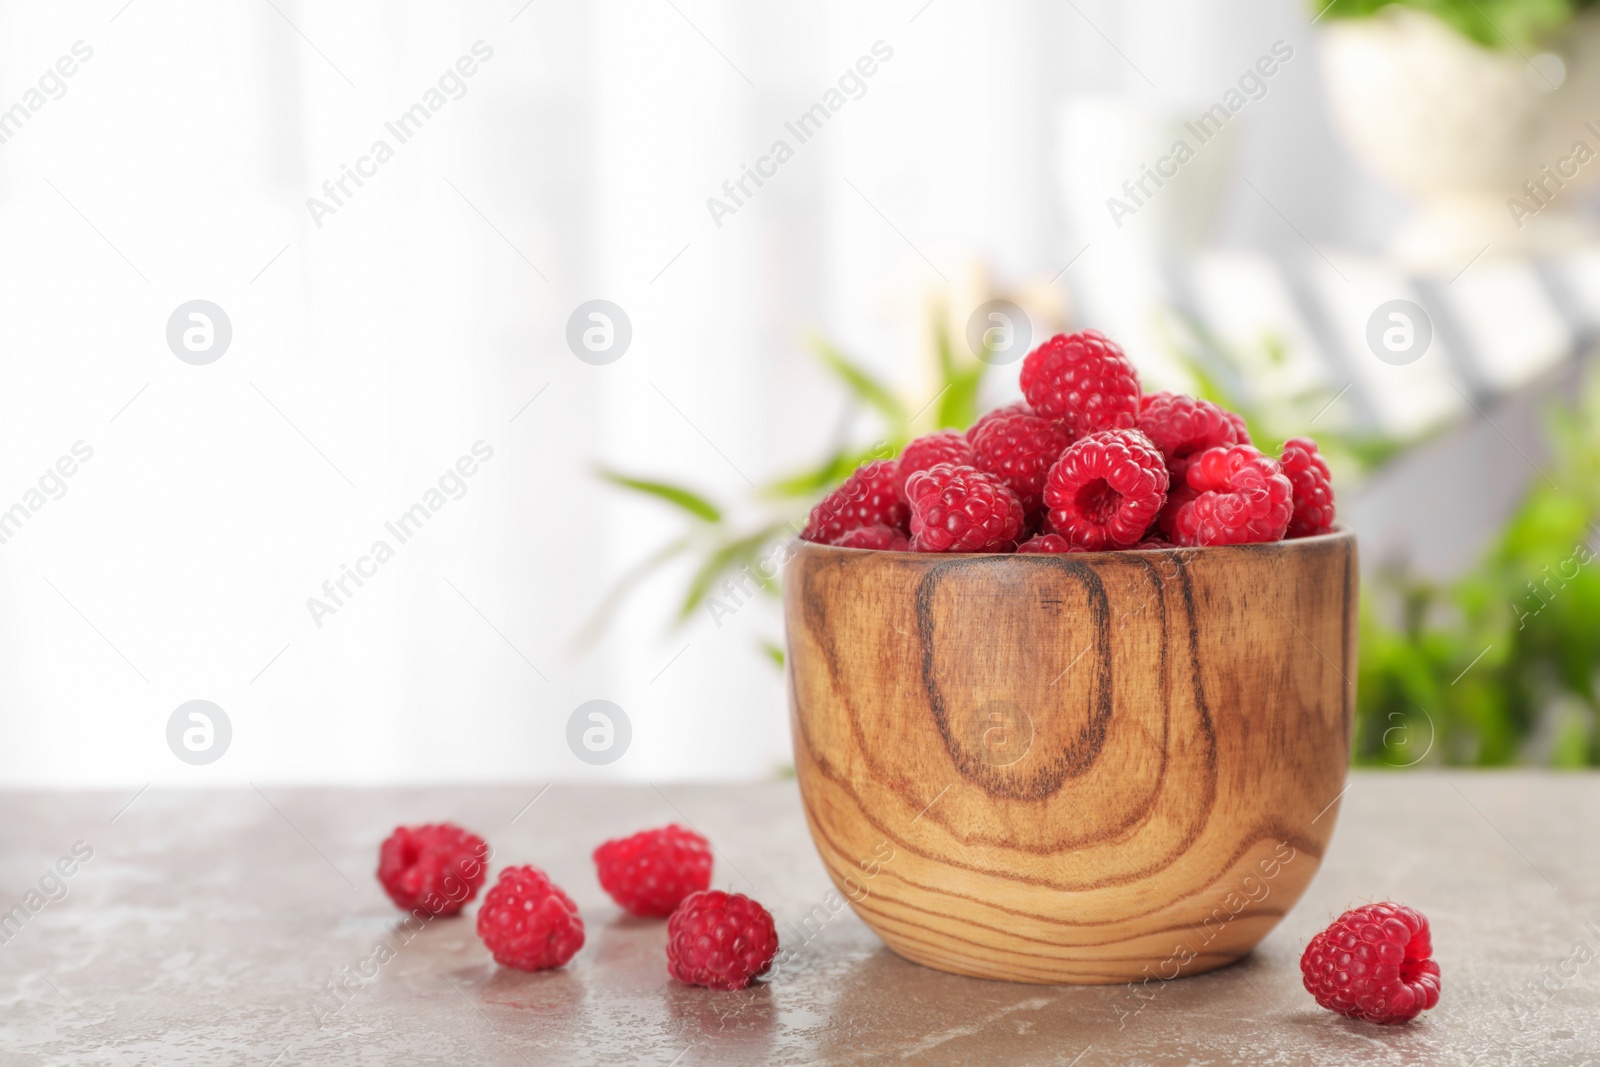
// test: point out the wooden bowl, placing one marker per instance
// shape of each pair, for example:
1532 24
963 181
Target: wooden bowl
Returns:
1083 768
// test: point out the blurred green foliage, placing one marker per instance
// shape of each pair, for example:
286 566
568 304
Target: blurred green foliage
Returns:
1497 667
725 548
1512 24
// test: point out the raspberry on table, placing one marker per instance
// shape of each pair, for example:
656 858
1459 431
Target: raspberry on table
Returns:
651 872
946 446
720 940
1106 490
1154 544
962 509
1019 448
869 497
1313 488
528 923
1242 497
1373 963
436 868
1084 380
1047 543
882 538
1182 425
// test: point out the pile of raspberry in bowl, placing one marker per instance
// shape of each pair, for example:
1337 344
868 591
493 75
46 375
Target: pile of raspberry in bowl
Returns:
1089 462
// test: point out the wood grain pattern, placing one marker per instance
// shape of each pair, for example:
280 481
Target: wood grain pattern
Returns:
1083 768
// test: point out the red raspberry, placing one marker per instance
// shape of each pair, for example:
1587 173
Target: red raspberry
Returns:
962 509
1107 489
882 538
1019 449
868 497
1047 543
1239 428
1084 380
1242 498
720 940
1183 425
1313 488
1154 544
1017 407
1373 964
436 868
651 872
946 446
527 922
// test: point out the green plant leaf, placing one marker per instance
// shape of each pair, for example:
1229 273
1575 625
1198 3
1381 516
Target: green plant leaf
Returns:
774 652
677 495
731 555
862 384
958 400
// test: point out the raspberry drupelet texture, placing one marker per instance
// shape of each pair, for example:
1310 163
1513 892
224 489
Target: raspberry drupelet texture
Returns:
436 868
1182 425
1019 448
528 923
946 446
1016 407
1242 497
720 940
869 497
1313 488
1373 963
1084 380
1047 543
962 509
882 538
651 872
1106 490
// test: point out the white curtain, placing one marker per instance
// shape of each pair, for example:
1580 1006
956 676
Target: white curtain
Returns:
377 338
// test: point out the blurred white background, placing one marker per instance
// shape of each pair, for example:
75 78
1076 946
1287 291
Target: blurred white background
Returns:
429 312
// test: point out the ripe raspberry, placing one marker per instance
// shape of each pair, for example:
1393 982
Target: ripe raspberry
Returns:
882 538
720 940
1313 488
1019 449
1154 544
1183 425
962 509
527 922
436 868
868 497
1016 407
1084 380
1242 498
946 446
651 872
1373 964
1107 489
1047 543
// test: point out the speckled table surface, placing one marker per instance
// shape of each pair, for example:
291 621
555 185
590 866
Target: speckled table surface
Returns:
212 927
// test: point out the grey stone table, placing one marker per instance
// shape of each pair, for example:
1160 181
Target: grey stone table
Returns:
245 927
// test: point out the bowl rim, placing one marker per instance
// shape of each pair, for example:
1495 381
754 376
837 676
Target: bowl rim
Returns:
1340 532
